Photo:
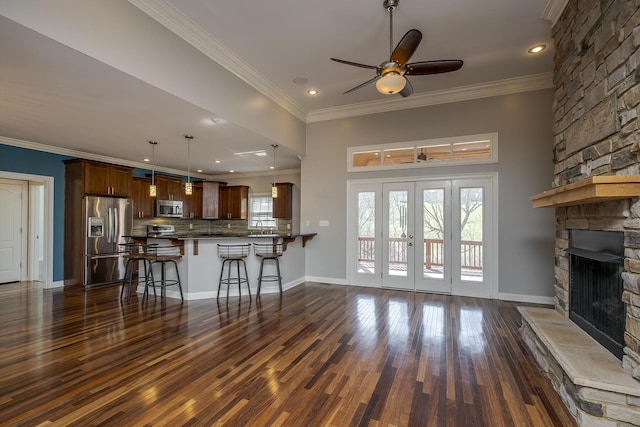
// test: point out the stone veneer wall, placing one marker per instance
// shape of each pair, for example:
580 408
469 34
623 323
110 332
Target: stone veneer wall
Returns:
596 132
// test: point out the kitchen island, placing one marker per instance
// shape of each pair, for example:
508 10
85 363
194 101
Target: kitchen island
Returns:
200 265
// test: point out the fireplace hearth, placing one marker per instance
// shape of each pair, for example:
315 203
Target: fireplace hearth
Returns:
596 286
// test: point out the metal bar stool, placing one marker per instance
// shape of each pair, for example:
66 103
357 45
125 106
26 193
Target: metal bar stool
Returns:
231 254
133 253
163 255
269 252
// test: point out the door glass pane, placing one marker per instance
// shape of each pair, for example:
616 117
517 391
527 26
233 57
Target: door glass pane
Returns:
471 239
433 229
398 233
366 232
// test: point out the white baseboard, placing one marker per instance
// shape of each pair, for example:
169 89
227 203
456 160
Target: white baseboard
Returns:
328 280
56 284
533 299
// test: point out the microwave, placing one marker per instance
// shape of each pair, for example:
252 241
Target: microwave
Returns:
169 208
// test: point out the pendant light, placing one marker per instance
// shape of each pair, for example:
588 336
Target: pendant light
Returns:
188 186
274 187
153 190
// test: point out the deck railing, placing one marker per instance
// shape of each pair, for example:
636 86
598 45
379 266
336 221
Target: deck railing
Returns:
433 252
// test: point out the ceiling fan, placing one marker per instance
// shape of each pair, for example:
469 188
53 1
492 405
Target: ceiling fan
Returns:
391 75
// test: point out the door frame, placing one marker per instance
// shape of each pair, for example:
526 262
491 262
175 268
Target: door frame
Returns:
492 252
48 220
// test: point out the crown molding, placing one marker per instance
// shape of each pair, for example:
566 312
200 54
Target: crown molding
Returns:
553 10
175 21
89 156
462 93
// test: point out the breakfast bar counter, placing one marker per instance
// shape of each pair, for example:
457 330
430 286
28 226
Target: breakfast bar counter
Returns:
200 265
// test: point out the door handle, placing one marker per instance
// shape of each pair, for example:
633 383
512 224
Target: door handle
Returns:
410 244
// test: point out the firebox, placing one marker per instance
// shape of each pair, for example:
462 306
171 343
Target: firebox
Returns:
595 286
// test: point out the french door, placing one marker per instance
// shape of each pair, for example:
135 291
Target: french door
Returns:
432 236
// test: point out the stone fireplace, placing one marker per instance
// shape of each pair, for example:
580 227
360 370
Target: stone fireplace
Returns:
596 187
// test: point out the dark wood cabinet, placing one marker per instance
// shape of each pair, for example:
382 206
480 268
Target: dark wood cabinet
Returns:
234 202
210 199
169 188
283 204
142 201
193 203
85 177
102 179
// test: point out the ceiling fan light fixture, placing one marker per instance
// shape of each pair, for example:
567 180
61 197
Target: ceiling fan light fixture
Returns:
391 83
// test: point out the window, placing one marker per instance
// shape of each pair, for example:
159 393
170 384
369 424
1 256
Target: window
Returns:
471 149
260 211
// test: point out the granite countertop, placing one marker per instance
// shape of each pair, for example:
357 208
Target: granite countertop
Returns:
198 236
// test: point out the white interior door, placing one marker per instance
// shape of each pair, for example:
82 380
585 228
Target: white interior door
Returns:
11 230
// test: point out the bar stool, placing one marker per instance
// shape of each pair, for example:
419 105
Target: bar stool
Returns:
231 254
163 255
133 253
269 252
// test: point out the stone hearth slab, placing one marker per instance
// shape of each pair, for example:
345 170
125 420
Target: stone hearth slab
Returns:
582 358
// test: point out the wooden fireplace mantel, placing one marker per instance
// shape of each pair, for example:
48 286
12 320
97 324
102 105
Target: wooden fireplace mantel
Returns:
591 190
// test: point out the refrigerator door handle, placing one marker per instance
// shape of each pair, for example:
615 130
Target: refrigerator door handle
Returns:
109 225
116 228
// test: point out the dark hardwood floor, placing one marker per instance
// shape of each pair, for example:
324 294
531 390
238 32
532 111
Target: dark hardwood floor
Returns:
323 355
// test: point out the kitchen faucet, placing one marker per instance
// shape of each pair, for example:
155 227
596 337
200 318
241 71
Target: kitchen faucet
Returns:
259 223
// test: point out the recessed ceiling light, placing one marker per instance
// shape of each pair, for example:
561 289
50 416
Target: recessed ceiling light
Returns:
312 92
217 161
147 160
271 167
537 49
260 153
200 170
231 171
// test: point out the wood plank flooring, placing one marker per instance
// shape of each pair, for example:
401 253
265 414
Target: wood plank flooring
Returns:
323 355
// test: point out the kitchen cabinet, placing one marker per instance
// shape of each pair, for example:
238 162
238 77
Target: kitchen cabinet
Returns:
193 203
283 204
169 188
81 178
142 201
210 199
100 178
234 202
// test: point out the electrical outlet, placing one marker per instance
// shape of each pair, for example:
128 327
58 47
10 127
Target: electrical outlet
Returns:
190 226
308 223
228 225
288 226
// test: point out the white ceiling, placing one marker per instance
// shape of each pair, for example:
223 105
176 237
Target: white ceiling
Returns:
56 96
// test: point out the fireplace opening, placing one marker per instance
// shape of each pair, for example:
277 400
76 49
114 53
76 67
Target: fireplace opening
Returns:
596 286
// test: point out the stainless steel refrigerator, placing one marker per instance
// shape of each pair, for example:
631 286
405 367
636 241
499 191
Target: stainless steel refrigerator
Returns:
106 221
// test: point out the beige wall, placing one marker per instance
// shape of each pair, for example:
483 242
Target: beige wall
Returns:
523 122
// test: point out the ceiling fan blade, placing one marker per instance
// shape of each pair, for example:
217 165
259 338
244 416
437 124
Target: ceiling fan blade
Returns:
355 64
361 85
407 89
432 67
406 47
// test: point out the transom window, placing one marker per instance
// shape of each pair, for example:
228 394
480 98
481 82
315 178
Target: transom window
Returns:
471 149
261 211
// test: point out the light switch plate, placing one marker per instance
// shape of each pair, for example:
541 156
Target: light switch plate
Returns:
324 223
